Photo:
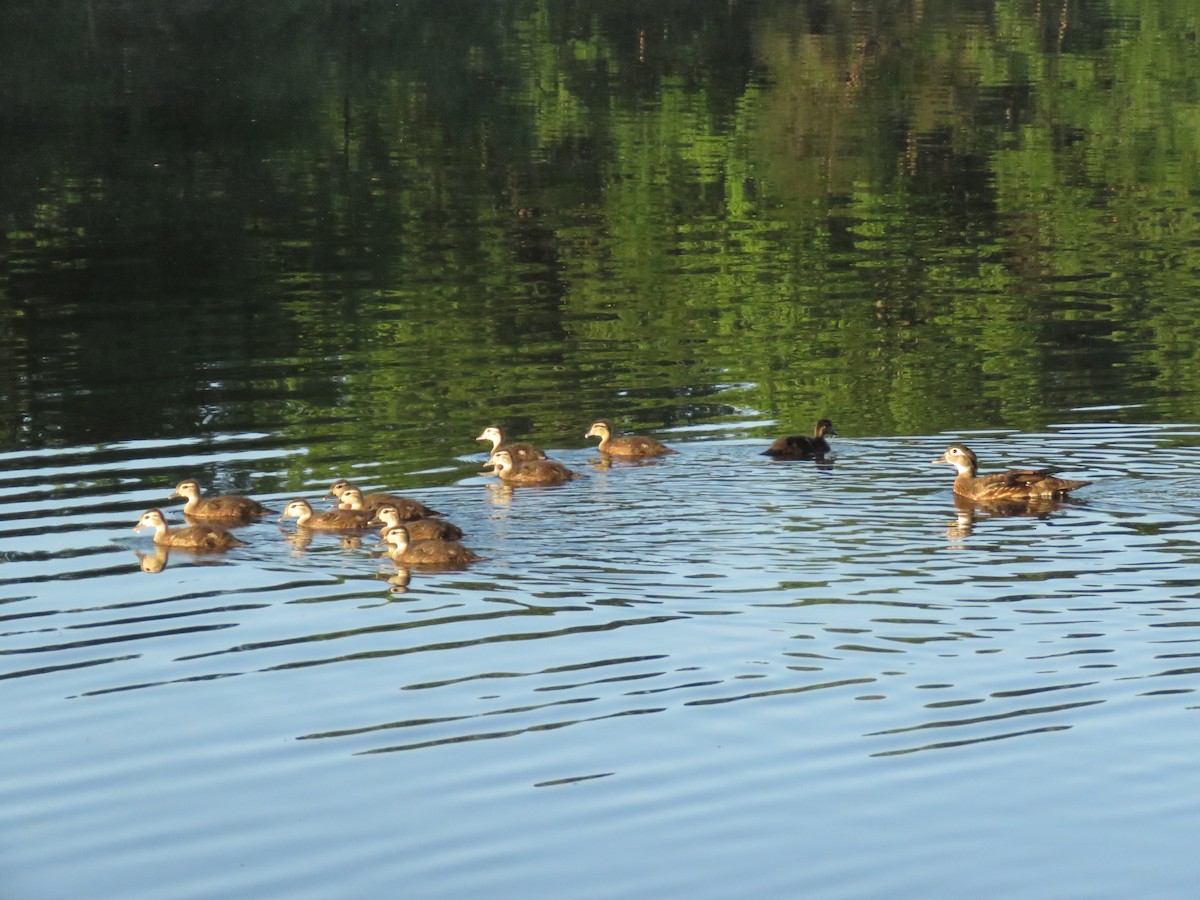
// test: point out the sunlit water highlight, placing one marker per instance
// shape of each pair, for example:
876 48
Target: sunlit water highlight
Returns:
767 660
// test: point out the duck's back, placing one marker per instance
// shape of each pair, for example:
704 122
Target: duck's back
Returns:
201 537
433 530
433 552
797 446
1017 484
226 507
334 519
539 471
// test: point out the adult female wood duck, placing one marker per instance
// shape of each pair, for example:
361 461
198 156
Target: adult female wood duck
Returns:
632 446
533 472
520 452
418 529
409 508
800 446
407 552
327 520
226 506
193 537
1015 486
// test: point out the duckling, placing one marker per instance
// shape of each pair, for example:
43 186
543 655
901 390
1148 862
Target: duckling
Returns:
228 506
1018 485
193 537
533 472
800 446
418 529
428 553
409 508
327 520
633 446
520 452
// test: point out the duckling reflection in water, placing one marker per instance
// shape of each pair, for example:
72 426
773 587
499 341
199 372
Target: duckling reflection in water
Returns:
153 563
532 473
418 529
449 554
631 446
230 507
799 446
519 452
193 537
1013 486
327 520
408 507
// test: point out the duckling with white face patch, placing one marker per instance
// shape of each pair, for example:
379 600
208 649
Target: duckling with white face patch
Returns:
226 506
520 452
531 473
409 508
327 520
418 529
407 552
633 446
193 537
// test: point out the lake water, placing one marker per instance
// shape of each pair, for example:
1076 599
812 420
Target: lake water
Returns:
271 250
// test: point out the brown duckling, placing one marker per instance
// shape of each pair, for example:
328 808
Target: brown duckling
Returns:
327 520
1017 485
407 552
632 446
418 529
193 537
409 508
800 446
533 472
226 506
520 452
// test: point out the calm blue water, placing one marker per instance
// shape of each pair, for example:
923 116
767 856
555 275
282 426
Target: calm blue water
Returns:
664 679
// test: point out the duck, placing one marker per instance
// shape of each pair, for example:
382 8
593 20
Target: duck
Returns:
1015 486
533 472
520 452
193 537
632 446
801 446
409 508
328 519
408 552
418 529
226 506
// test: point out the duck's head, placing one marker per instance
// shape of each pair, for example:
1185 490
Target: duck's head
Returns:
825 427
397 538
151 518
352 497
189 489
600 428
959 456
501 461
296 509
337 489
493 433
388 514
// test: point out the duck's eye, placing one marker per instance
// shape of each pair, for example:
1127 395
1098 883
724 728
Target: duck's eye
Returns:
954 451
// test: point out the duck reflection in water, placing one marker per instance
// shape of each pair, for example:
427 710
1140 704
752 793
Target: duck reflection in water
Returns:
971 511
154 562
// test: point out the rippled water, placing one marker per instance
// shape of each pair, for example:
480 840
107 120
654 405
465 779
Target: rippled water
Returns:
665 678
